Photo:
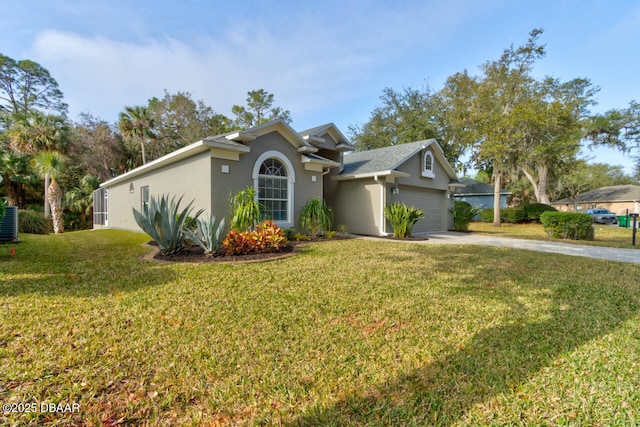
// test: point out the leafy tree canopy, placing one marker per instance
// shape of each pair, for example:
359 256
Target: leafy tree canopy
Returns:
259 109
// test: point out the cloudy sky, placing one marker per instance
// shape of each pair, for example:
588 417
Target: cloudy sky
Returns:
325 61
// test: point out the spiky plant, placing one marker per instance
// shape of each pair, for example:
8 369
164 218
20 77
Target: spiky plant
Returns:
163 221
246 211
208 236
50 165
316 217
402 218
463 214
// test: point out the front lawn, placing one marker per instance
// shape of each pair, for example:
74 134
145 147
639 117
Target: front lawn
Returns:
348 332
605 235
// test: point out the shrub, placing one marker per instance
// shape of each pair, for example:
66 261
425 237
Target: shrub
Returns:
266 237
402 218
343 230
316 216
191 224
532 211
33 222
2 209
164 221
246 211
463 213
331 234
208 236
486 215
567 225
512 215
299 237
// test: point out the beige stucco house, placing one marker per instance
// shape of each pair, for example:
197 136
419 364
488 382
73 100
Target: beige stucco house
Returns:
619 199
287 168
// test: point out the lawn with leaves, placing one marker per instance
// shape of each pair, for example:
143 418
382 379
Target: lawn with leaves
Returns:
348 332
605 235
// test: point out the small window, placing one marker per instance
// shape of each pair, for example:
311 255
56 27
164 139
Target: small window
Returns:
428 165
144 198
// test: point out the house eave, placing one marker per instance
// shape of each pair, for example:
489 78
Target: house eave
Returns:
388 173
183 153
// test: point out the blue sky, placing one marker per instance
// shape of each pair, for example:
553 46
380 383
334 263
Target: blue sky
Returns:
325 61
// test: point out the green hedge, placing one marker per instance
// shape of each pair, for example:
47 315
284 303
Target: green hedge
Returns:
512 215
486 215
33 222
532 211
567 225
522 213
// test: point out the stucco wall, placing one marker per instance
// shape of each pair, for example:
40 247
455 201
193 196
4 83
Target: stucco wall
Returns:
413 166
357 205
189 177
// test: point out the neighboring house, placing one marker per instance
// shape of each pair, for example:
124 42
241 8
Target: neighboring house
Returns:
616 198
288 168
479 194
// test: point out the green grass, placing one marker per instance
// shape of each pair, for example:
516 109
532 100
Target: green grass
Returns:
349 332
605 235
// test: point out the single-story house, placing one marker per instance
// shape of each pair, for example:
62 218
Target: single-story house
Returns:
287 168
479 194
617 198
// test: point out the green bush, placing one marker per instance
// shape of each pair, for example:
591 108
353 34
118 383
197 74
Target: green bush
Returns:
567 225
402 218
163 220
486 215
316 217
512 215
2 209
246 211
33 222
463 214
532 211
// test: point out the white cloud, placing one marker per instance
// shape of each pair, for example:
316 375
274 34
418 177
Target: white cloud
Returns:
308 64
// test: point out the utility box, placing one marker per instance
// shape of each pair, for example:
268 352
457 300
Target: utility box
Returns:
9 224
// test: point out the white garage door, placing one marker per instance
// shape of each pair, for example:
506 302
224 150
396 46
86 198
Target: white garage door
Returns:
430 201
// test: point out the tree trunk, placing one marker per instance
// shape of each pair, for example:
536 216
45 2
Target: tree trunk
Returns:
54 197
497 179
144 157
47 212
540 184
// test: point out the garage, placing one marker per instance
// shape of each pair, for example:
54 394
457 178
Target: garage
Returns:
428 200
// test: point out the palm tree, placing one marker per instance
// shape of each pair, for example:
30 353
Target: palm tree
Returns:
50 165
37 132
80 199
137 122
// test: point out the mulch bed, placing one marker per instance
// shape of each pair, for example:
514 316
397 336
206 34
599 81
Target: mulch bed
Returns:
195 254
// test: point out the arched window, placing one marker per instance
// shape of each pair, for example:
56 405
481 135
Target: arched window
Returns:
273 178
428 165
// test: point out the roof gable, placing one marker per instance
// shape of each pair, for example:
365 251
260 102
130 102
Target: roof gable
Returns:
389 158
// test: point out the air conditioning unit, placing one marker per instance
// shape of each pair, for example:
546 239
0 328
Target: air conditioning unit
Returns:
9 224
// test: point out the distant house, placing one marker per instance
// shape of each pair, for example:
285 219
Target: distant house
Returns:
287 168
616 198
479 194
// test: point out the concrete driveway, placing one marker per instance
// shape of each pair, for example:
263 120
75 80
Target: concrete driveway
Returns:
599 252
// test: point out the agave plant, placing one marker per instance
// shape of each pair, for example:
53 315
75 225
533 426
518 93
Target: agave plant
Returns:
163 220
208 236
316 217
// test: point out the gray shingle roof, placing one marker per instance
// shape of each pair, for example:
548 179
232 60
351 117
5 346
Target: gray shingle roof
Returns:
614 193
381 159
473 187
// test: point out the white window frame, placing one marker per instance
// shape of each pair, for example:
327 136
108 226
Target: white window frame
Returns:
291 179
428 173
